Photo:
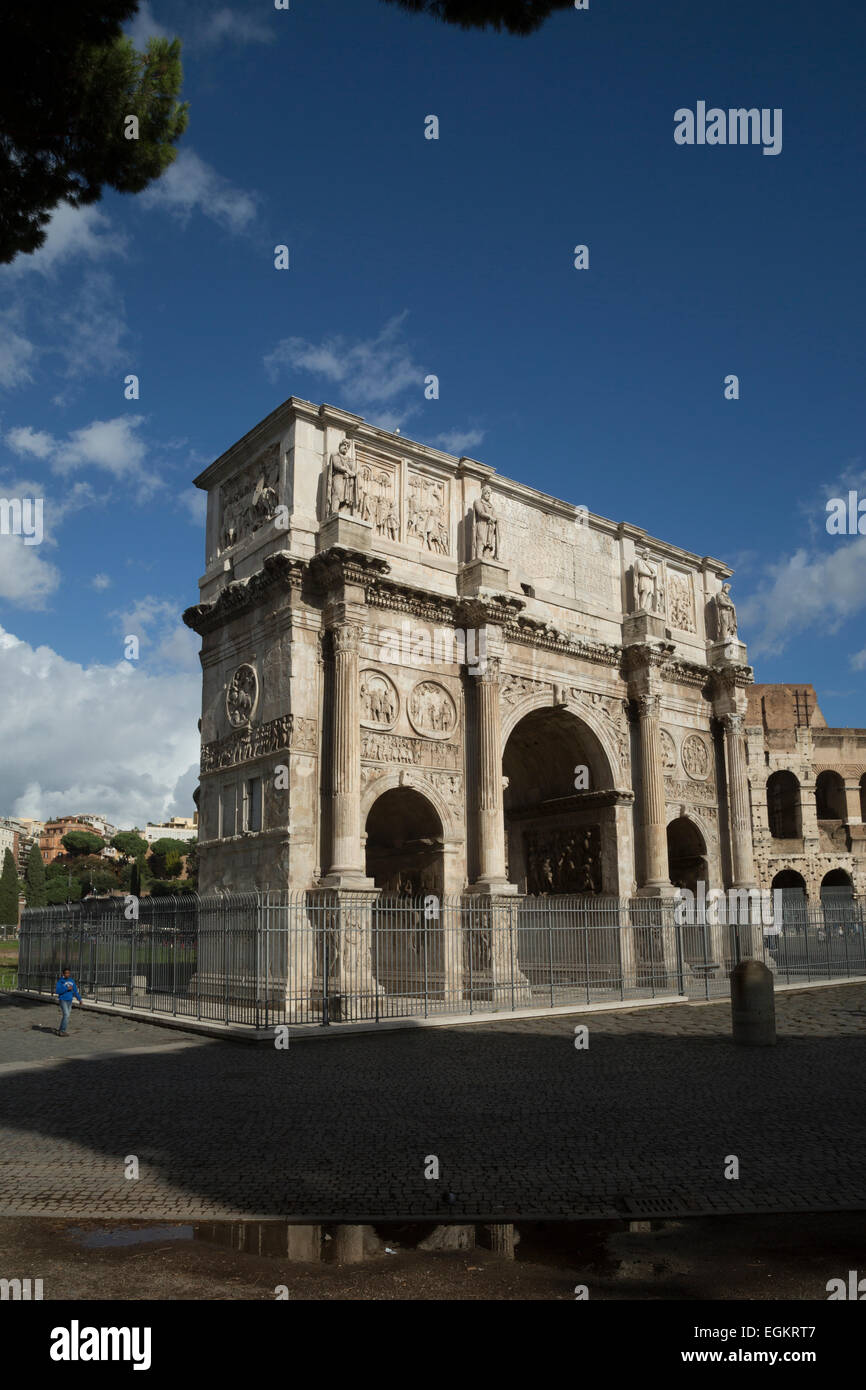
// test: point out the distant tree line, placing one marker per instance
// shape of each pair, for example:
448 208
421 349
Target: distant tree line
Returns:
80 871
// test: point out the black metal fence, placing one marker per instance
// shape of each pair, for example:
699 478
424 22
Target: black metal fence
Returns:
321 957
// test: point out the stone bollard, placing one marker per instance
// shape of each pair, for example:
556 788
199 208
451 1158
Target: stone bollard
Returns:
753 1009
354 1244
502 1239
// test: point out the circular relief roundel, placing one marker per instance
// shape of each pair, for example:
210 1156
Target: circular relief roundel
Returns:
431 710
696 757
379 701
241 696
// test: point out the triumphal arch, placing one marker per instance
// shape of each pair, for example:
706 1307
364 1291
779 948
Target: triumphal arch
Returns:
422 677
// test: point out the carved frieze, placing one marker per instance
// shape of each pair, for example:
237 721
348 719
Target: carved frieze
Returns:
681 607
427 513
378 500
431 710
680 789
563 860
394 748
250 498
242 745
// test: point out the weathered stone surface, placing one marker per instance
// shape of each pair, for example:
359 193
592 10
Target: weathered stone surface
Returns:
407 661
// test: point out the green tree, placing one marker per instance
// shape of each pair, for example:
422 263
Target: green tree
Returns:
77 842
69 81
130 844
135 879
192 862
515 16
166 857
9 892
34 879
58 890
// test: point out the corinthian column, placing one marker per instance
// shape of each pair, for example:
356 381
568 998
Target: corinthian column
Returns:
655 840
491 827
346 861
738 795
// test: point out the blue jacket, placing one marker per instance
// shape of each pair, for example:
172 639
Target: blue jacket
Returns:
67 989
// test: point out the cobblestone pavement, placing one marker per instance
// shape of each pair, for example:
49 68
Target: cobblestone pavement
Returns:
523 1124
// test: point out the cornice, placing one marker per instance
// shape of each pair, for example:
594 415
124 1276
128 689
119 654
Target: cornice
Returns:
279 571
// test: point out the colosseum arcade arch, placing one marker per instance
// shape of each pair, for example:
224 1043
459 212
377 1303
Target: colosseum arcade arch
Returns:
559 838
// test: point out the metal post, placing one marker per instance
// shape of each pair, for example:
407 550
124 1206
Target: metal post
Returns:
550 946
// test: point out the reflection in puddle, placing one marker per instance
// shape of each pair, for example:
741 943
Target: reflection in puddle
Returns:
129 1235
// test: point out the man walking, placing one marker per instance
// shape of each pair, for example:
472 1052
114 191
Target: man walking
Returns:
66 990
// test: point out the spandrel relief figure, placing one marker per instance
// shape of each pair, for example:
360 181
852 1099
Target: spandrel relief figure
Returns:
485 529
726 615
343 491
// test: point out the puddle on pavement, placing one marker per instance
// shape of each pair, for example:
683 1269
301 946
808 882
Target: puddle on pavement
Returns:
560 1244
115 1237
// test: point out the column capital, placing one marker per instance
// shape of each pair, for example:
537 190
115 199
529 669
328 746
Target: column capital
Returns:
733 722
649 704
491 672
347 637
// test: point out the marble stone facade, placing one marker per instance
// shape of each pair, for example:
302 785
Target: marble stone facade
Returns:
419 675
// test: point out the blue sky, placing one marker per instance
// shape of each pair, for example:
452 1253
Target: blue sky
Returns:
412 256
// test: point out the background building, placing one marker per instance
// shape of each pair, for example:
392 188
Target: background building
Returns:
177 828
808 790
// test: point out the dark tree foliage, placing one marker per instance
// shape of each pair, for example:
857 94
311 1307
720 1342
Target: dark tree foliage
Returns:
34 879
9 889
129 844
58 891
68 81
515 16
82 842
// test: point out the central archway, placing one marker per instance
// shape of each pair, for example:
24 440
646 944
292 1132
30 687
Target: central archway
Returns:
559 805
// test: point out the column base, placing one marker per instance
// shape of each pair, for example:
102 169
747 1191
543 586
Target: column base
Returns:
659 888
493 888
349 879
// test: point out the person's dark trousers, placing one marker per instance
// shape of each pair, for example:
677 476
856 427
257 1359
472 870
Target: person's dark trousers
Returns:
66 1010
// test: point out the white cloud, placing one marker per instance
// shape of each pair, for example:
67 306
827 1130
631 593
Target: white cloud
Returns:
112 445
143 27
90 330
17 354
190 184
82 231
26 578
458 441
100 581
165 641
805 590
233 26
195 502
26 440
371 373
135 740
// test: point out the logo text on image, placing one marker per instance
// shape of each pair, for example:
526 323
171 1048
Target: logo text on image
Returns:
416 646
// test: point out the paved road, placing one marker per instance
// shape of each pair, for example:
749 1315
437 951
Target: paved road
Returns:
522 1123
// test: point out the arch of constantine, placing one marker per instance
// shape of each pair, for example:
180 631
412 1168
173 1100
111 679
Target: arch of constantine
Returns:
419 676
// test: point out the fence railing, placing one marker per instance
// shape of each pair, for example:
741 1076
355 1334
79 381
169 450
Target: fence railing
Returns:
323 957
